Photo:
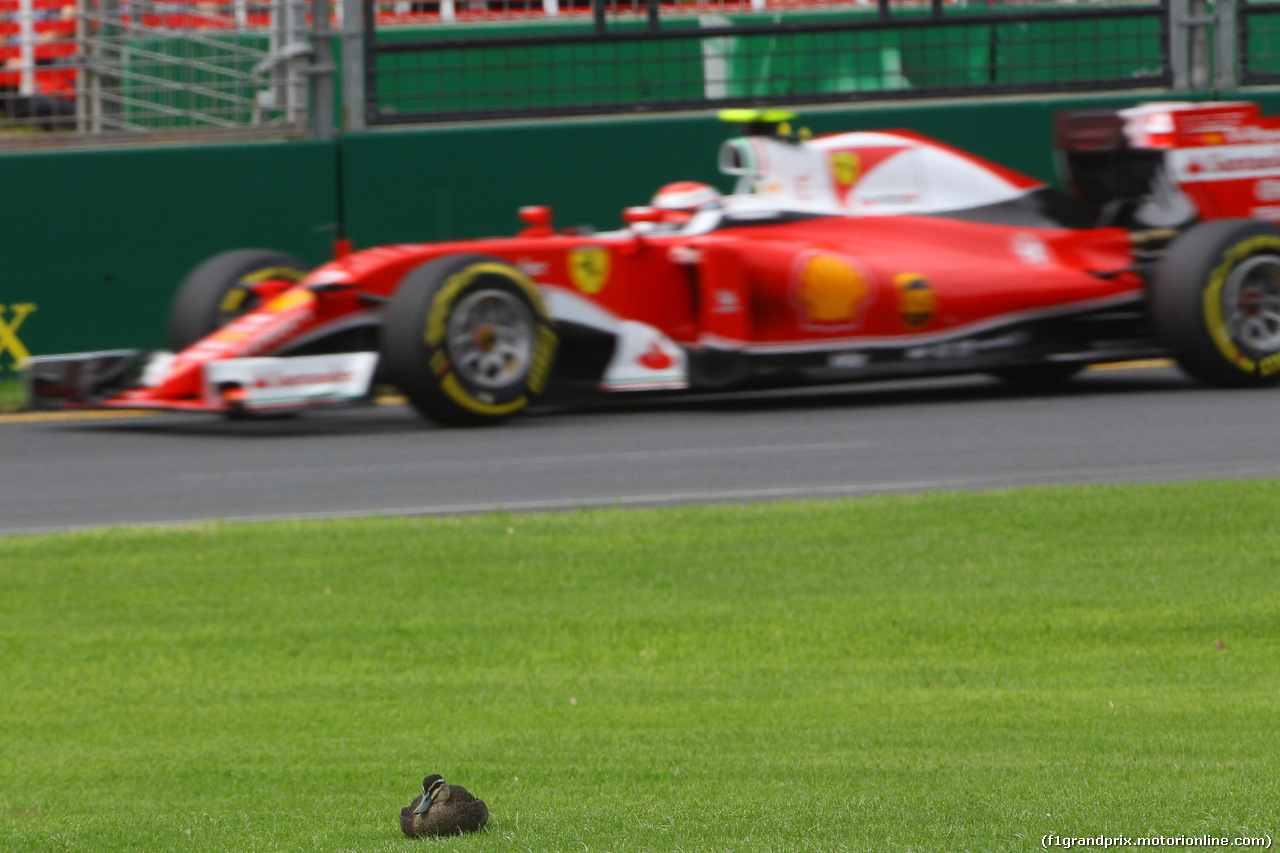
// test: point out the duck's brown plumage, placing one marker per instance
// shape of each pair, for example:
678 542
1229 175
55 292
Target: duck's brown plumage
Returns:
454 812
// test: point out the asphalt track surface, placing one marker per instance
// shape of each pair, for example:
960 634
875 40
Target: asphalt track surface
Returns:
967 433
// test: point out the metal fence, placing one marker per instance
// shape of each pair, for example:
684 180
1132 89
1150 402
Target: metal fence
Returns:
95 67
88 69
674 61
143 67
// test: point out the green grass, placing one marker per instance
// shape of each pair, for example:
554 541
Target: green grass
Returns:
12 397
933 673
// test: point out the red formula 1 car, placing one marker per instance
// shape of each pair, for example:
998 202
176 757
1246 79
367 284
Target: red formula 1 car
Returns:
851 256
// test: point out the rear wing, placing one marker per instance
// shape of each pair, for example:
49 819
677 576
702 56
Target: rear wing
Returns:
1169 164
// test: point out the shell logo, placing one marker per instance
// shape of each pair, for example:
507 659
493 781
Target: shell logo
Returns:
830 290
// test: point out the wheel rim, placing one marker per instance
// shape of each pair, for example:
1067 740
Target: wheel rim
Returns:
491 338
1251 304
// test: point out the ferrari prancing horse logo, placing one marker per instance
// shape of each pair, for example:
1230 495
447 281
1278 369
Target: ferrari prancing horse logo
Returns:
589 268
846 168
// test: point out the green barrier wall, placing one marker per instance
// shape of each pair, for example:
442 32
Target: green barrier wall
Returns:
97 241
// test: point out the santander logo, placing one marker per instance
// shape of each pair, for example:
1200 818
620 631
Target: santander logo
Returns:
655 358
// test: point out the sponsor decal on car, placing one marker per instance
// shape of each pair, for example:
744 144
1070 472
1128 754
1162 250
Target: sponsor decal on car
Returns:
262 332
848 360
1029 249
829 290
589 268
1266 211
271 383
965 347
531 268
846 167
1231 161
645 360
230 336
726 302
917 301
281 380
1267 189
9 340
291 299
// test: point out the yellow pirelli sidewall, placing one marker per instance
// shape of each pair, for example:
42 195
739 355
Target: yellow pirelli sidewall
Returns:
1214 322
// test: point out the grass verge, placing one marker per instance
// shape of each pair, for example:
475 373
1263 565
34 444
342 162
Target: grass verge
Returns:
12 396
966 672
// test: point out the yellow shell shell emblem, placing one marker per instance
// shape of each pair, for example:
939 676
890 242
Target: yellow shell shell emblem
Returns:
589 269
831 290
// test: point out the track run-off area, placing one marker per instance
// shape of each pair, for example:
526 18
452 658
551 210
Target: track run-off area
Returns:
1133 423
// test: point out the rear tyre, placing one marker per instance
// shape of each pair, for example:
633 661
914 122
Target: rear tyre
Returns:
468 340
221 289
1215 302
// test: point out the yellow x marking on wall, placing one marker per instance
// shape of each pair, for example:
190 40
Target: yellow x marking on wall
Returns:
9 331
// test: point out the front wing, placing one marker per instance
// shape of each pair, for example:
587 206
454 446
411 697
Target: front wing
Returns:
126 379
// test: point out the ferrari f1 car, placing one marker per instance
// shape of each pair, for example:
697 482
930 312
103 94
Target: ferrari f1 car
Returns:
860 255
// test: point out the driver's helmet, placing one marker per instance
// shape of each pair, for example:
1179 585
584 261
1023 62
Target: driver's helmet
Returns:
683 199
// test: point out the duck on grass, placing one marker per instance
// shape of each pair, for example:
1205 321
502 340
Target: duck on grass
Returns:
443 809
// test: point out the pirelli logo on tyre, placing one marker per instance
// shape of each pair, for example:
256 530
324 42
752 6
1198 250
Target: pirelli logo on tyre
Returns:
544 355
463 398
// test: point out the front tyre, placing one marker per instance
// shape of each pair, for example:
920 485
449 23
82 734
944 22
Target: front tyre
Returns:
468 340
1215 301
224 287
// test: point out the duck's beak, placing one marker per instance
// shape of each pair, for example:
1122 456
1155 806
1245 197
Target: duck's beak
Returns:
424 805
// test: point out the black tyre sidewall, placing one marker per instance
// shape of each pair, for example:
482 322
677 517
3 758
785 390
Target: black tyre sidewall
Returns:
197 308
415 348
1185 300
